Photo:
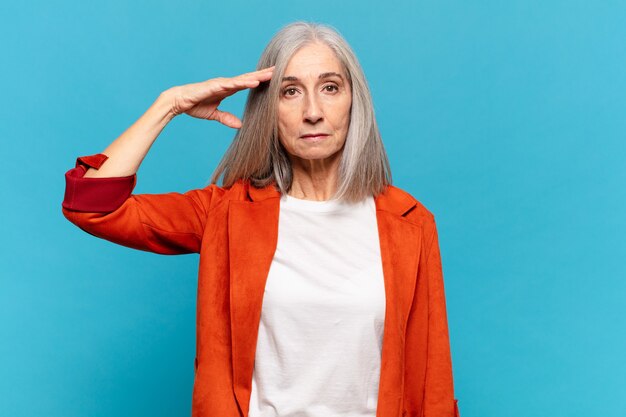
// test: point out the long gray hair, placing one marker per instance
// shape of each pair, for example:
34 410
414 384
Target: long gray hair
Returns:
257 155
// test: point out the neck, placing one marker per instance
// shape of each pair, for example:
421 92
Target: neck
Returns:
314 179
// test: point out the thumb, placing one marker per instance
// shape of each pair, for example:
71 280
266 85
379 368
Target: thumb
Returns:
226 118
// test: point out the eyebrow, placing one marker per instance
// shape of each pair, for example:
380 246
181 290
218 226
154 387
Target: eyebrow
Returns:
322 75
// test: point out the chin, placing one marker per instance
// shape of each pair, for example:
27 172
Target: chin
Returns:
314 154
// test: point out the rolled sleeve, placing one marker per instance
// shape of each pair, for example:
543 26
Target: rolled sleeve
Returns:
95 195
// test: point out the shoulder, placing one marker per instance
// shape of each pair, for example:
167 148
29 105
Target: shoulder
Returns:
417 212
215 195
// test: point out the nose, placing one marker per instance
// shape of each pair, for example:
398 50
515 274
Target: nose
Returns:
312 109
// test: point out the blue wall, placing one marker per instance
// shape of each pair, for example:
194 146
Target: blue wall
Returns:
506 119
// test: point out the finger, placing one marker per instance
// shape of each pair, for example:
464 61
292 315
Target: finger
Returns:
233 85
265 75
226 118
266 69
228 89
244 82
255 74
250 81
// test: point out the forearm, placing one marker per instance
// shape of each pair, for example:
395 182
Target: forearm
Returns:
126 153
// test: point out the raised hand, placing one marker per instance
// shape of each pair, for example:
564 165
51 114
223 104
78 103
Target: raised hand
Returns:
202 99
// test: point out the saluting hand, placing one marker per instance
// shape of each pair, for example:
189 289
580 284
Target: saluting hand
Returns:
202 99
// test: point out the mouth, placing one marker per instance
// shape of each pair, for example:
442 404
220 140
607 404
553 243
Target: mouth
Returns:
314 137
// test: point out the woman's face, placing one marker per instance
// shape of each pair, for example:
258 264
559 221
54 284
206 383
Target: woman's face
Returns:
315 98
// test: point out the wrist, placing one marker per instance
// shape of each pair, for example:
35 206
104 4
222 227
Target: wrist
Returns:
165 101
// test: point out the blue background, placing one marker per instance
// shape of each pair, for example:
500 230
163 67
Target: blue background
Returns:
506 119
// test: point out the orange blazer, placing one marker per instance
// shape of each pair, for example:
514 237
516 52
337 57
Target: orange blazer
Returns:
235 231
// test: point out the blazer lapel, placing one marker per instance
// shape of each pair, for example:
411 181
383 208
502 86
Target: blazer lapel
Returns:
400 243
253 235
252 239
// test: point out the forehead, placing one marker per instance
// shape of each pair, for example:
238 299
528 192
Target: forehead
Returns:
312 60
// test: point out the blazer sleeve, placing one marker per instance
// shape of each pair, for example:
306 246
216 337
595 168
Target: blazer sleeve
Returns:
171 223
439 398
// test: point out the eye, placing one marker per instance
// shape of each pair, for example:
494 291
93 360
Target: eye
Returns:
332 86
289 91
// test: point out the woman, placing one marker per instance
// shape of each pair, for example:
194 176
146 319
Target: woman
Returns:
320 284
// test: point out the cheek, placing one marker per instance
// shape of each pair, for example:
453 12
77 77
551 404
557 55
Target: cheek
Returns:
286 119
288 129
341 115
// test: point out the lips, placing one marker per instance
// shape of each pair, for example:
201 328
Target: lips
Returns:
314 136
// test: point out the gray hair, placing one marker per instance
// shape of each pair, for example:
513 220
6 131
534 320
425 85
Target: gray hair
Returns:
257 155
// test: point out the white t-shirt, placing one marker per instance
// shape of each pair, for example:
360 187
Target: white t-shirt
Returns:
320 336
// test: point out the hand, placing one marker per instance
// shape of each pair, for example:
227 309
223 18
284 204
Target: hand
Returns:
201 99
